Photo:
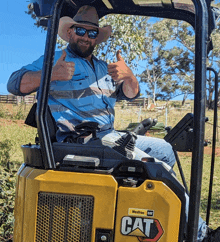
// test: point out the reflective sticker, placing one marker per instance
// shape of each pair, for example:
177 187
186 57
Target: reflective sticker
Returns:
145 229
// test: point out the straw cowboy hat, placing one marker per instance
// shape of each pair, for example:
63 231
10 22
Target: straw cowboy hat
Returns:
86 16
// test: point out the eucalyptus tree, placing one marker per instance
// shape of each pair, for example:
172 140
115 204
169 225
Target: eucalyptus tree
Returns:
169 70
164 47
128 35
172 65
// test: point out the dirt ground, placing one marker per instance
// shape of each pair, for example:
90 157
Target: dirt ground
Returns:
6 122
208 151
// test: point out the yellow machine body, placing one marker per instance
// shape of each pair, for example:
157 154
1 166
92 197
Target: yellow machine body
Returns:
71 206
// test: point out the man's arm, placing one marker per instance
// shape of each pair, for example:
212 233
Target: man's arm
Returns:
120 71
62 71
30 82
130 87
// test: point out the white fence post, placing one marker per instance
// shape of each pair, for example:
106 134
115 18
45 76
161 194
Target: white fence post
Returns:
166 118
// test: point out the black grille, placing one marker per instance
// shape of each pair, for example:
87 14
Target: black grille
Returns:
63 217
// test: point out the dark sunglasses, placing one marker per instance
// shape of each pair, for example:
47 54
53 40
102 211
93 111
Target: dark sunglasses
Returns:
80 31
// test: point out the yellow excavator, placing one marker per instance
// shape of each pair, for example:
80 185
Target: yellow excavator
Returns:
98 192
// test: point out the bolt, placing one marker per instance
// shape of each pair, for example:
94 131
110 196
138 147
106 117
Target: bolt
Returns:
103 238
150 185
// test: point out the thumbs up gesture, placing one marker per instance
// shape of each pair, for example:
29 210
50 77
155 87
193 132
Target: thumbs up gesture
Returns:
119 70
63 71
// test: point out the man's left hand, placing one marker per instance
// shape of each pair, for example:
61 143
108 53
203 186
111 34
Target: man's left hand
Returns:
119 70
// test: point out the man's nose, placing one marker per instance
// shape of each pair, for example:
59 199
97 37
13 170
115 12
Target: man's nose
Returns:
85 36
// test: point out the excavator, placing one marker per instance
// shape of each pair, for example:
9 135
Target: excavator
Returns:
98 191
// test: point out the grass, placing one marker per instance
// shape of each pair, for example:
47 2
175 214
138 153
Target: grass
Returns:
13 133
185 159
17 134
169 118
172 117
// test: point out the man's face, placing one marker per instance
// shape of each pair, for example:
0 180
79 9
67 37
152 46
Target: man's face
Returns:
82 45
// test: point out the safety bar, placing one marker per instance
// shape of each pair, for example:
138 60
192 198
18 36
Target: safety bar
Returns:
42 105
201 38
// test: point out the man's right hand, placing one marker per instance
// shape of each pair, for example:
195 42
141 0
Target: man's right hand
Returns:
63 71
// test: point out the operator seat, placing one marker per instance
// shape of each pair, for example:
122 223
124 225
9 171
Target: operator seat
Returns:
31 121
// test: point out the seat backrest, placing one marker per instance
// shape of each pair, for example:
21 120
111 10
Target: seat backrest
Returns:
31 121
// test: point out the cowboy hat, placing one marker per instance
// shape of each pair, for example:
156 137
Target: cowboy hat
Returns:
86 16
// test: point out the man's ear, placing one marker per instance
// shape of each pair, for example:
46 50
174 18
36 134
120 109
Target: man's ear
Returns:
68 32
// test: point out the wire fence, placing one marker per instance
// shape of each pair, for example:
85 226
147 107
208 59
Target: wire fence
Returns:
30 99
138 102
12 99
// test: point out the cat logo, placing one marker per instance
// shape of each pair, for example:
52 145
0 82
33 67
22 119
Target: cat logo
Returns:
144 229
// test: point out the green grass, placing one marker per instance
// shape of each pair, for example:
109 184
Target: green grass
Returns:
13 133
18 135
133 115
185 159
171 118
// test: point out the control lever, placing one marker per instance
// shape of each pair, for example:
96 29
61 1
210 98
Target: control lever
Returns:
125 144
144 126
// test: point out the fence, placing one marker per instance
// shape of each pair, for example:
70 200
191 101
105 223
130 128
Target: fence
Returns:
30 99
139 102
12 99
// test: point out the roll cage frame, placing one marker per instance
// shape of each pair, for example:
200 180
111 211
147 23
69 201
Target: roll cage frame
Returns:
199 15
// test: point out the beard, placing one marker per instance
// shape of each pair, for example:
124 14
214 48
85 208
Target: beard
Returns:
82 51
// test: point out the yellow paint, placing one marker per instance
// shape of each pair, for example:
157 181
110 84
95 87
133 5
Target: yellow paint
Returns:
163 201
131 202
32 181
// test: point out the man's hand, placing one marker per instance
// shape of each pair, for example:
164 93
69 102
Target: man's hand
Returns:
63 71
119 70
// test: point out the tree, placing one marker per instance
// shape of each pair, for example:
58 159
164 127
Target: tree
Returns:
170 67
167 48
174 56
128 35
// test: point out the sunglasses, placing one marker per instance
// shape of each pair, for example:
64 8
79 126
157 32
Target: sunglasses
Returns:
80 31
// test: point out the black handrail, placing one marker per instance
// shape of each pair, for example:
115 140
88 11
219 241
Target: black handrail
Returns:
42 105
201 38
213 145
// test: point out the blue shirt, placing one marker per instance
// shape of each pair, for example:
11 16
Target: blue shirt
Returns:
89 96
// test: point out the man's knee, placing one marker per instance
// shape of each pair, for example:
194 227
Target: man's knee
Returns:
158 148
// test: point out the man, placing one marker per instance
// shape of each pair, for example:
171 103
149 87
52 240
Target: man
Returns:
84 88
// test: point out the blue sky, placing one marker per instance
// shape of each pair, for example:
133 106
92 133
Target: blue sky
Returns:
21 42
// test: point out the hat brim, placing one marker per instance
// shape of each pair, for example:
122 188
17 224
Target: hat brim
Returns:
66 22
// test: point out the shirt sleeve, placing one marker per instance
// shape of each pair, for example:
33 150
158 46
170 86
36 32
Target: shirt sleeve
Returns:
14 81
121 96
